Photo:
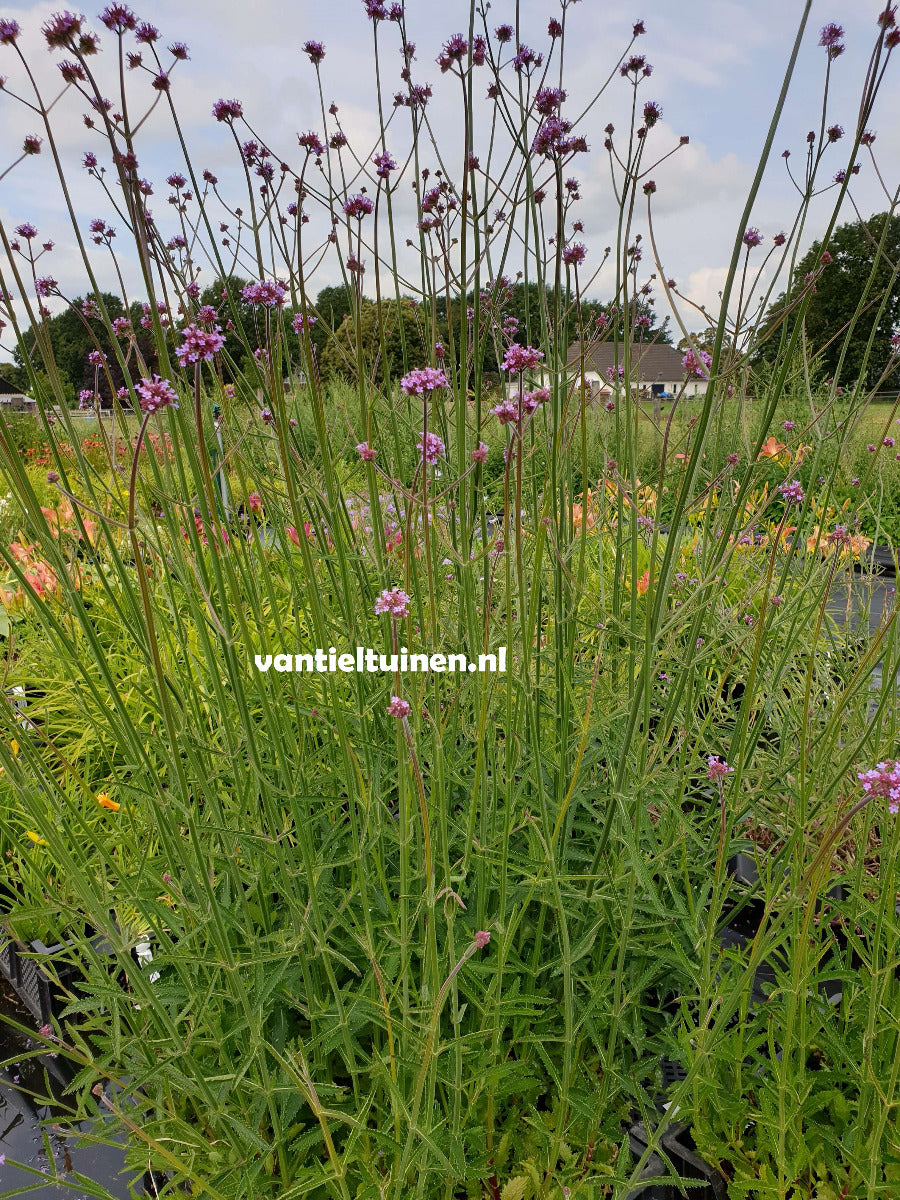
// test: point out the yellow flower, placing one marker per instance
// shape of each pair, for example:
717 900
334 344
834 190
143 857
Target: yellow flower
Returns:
105 802
14 746
35 837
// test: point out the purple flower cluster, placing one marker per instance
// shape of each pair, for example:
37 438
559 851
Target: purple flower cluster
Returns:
399 708
365 452
883 780
521 358
227 110
507 412
636 65
118 18
752 238
394 602
526 59
830 39
199 345
358 206
61 29
301 321
454 50
548 100
312 143
697 365
315 50
573 255
431 448
268 291
155 394
384 164
792 492
425 379
9 32
552 139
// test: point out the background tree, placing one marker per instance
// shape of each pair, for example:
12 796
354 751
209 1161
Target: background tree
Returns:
839 289
73 334
382 346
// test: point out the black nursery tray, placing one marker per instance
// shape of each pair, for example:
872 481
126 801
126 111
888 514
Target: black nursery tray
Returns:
28 971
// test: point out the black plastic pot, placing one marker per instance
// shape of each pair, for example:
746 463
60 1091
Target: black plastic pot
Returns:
678 1146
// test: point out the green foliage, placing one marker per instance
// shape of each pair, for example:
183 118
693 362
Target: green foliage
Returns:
856 300
380 335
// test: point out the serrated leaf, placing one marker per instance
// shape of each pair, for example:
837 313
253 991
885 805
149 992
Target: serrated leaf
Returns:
515 1189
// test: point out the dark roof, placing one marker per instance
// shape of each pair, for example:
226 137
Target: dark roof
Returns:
7 389
653 361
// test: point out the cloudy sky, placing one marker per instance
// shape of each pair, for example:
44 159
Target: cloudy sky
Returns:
717 70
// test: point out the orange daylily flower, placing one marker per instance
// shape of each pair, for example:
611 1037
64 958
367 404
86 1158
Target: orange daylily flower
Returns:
643 583
105 802
771 448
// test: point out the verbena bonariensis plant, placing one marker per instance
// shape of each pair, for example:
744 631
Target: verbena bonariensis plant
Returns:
429 932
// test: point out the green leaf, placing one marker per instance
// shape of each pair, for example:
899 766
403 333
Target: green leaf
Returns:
516 1188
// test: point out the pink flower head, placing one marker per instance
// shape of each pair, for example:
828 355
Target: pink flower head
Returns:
718 768
365 452
533 400
752 238
521 358
254 502
268 291
883 780
697 365
393 602
507 412
482 937
431 448
199 345
425 379
788 426
155 394
301 322
480 453
399 708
